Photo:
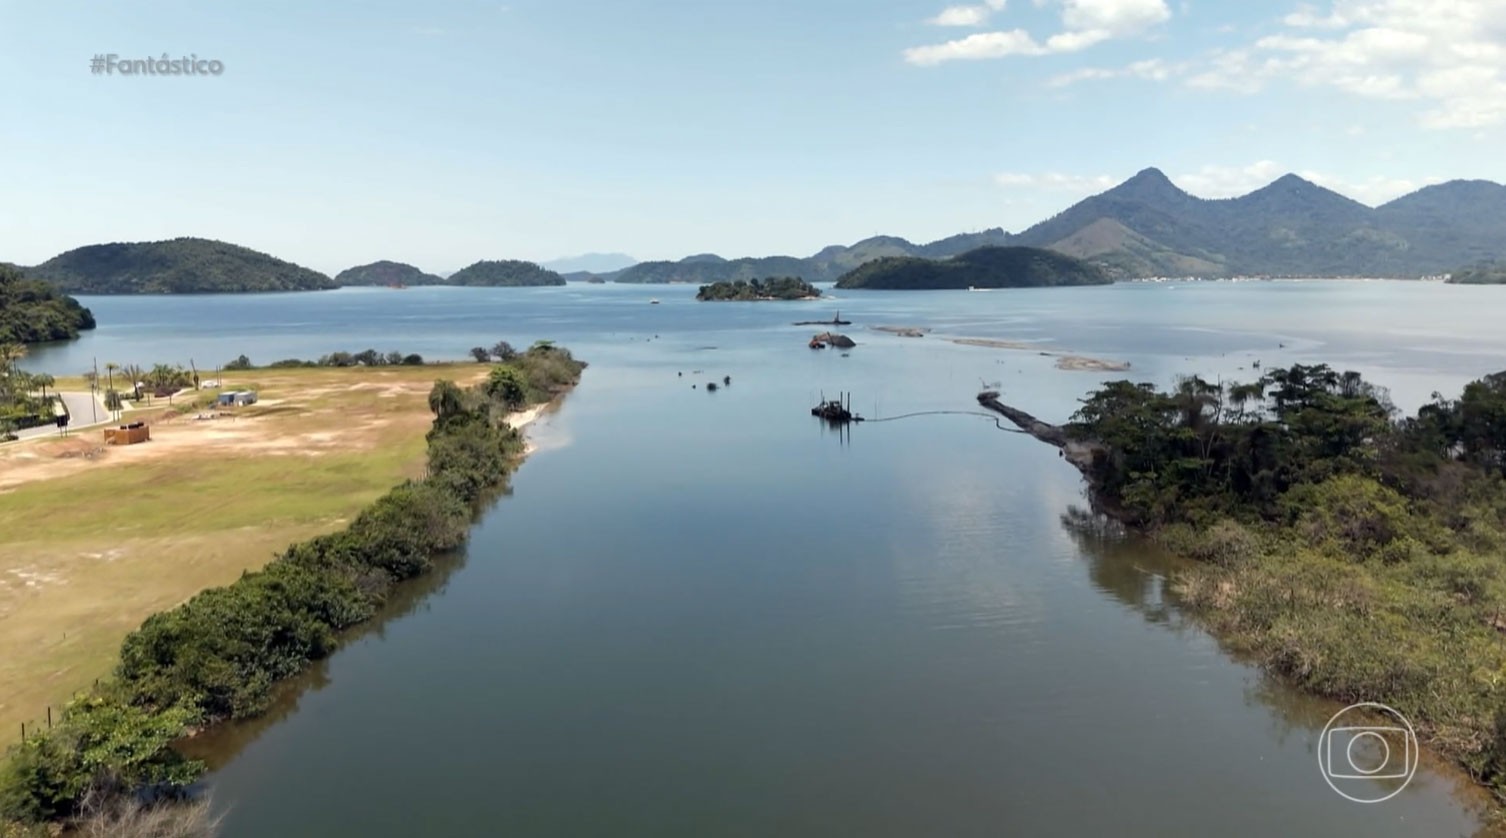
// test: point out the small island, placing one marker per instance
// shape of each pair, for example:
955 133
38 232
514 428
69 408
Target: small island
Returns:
31 311
384 272
509 273
175 266
986 267
773 288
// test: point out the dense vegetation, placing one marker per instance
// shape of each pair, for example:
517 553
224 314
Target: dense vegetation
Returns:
507 272
1354 552
1147 226
176 266
24 398
218 655
1484 273
386 273
986 267
31 311
774 288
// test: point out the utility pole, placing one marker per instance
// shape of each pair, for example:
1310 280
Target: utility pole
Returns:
93 400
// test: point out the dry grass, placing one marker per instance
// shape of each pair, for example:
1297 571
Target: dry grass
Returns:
91 546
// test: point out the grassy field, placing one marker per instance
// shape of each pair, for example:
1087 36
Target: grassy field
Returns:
93 540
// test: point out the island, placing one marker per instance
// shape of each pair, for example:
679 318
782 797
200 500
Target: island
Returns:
31 311
1482 273
510 273
384 272
985 267
773 288
175 266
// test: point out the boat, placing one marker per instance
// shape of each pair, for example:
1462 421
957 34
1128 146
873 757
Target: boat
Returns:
816 343
653 302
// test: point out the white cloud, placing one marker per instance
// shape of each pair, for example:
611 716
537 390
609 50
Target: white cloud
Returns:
1084 24
1153 69
967 15
1448 54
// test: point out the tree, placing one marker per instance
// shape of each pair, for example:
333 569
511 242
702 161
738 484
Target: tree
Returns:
506 386
503 351
113 402
368 358
481 354
43 381
10 353
394 358
241 362
137 375
110 369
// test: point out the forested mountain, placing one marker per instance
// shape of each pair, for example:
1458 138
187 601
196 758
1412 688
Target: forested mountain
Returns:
386 273
986 267
1147 226
826 266
176 266
31 311
507 272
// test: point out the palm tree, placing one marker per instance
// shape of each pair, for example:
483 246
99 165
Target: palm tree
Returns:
110 369
10 353
136 374
43 381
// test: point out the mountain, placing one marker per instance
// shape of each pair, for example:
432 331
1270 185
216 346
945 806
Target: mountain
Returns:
507 272
175 266
590 263
386 273
827 265
31 311
986 267
1147 226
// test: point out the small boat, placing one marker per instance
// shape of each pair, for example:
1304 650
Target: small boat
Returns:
653 302
817 344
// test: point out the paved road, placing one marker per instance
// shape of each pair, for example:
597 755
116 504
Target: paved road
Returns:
80 413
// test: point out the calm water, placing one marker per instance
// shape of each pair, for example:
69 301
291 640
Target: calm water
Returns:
700 614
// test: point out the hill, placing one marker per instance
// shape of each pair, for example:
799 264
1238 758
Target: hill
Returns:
386 273
778 288
175 266
31 311
1484 273
1147 226
504 273
590 263
986 267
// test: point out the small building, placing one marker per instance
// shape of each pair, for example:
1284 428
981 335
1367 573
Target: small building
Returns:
128 434
239 398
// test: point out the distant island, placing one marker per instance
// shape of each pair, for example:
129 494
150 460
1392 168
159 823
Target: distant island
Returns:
386 273
774 288
504 273
986 267
31 311
1484 273
176 266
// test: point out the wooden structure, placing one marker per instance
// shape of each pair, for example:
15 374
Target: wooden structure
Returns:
128 434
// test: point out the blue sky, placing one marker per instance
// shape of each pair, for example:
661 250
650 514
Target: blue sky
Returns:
454 130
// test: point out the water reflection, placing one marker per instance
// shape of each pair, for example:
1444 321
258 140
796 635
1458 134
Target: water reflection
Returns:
1137 573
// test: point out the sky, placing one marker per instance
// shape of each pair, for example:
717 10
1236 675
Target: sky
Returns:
443 132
